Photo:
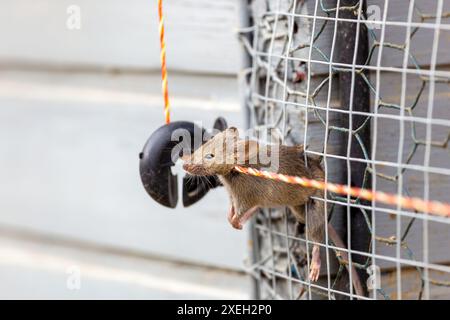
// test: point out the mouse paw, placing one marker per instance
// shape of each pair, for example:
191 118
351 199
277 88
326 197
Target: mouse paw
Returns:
233 219
236 222
314 268
231 214
314 271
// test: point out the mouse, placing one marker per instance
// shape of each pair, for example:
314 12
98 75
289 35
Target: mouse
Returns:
225 150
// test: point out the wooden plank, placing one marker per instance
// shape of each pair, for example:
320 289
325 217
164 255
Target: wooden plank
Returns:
34 268
200 34
411 285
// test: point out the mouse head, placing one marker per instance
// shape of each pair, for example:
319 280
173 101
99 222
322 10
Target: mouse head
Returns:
220 154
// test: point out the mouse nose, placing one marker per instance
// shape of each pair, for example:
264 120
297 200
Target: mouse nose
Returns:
186 166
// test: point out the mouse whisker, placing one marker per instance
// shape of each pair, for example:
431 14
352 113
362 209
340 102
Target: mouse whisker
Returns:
207 182
188 180
191 180
198 180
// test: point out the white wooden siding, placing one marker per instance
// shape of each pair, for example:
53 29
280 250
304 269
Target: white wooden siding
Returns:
69 163
200 34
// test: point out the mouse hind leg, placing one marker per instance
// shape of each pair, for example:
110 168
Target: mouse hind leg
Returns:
315 228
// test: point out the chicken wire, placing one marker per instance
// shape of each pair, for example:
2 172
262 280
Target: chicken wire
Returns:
294 82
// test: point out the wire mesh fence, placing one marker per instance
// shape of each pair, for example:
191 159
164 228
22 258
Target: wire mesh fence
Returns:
365 86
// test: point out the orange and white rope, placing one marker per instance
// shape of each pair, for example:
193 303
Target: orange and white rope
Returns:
431 207
165 89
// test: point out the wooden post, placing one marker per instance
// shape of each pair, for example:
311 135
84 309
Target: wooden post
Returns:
346 40
246 62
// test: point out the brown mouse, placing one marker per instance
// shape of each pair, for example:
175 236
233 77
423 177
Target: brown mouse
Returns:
225 150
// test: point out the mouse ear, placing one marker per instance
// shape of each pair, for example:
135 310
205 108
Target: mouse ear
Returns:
247 152
220 124
233 130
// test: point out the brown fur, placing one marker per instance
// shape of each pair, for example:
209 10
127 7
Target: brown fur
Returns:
249 192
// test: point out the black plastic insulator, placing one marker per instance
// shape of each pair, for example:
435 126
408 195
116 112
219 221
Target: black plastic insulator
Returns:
160 153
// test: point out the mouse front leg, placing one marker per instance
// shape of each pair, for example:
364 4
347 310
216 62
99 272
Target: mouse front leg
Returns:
243 218
231 214
238 218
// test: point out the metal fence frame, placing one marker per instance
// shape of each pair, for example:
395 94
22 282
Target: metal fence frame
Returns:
280 250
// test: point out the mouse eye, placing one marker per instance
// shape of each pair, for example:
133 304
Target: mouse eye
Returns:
209 156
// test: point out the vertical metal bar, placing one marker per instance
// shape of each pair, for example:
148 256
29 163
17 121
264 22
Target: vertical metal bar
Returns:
305 133
325 145
246 62
285 97
401 142
427 155
246 59
266 121
358 101
374 144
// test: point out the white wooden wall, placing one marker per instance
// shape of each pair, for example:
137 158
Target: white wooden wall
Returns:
69 162
200 34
